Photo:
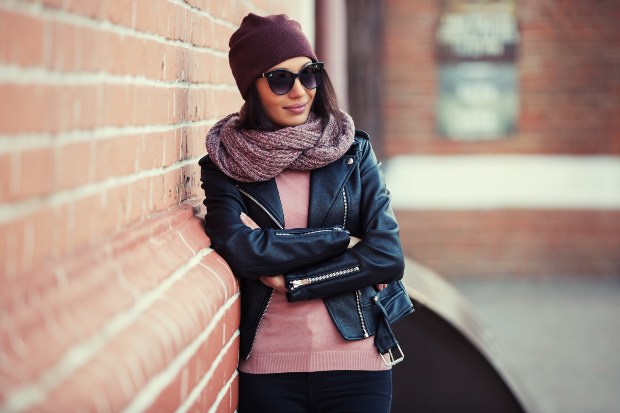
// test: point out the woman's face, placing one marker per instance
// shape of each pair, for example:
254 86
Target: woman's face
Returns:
292 108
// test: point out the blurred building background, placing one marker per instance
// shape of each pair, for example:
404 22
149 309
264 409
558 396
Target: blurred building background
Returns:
497 122
500 122
499 129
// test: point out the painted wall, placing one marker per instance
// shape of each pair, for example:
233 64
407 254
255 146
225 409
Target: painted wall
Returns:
110 298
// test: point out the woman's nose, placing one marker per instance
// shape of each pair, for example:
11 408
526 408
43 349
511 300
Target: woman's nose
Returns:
297 89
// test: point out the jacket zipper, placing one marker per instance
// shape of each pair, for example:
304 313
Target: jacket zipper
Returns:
346 207
359 313
318 231
258 325
270 215
357 292
305 281
244 192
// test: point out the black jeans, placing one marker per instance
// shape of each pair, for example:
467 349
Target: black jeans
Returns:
324 391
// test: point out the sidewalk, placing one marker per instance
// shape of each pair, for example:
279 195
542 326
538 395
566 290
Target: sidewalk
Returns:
563 335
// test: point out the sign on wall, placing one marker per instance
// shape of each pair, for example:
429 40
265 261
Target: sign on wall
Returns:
476 47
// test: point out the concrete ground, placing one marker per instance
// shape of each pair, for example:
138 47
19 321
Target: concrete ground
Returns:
563 335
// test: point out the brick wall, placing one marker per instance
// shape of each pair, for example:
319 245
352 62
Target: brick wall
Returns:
111 299
513 242
569 100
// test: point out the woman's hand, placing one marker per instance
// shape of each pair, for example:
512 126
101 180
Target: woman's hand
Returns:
276 281
353 241
380 287
248 222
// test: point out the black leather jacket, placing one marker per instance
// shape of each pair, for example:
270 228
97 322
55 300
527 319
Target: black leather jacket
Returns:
347 196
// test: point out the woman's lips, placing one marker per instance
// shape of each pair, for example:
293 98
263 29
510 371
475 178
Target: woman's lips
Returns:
296 109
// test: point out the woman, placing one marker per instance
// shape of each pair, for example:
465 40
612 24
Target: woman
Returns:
297 206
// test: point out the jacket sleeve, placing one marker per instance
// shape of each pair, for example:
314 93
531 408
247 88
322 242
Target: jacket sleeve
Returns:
377 258
253 253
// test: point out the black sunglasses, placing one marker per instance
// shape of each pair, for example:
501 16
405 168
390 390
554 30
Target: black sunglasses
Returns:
281 81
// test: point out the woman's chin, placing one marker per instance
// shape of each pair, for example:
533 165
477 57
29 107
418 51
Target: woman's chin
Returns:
292 120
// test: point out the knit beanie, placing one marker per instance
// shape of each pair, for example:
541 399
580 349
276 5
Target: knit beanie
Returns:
262 42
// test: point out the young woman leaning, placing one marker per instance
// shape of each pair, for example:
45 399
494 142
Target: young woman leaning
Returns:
297 206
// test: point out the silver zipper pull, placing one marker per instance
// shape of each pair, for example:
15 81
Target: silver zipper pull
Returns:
299 283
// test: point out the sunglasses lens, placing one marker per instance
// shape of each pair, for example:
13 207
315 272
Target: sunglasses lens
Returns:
311 76
281 82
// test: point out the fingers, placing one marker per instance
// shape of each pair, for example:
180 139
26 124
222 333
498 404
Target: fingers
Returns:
380 287
276 282
353 240
248 222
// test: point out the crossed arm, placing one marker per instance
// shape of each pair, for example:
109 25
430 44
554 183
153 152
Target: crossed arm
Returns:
277 281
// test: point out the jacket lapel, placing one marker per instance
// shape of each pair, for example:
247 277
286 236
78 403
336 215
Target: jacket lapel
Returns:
266 194
326 185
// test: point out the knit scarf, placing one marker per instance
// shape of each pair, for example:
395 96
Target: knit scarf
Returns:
254 156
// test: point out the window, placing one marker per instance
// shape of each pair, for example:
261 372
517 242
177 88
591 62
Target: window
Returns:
476 50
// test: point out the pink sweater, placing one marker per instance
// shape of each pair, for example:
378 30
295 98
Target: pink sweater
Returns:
301 336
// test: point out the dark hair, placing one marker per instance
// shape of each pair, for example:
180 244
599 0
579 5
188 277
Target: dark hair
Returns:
325 104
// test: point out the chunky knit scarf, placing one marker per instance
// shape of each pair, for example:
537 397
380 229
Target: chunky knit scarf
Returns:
253 156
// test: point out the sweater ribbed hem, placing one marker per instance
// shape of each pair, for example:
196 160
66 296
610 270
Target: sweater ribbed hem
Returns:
309 362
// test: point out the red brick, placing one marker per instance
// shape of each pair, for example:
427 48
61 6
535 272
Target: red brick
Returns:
58 216
73 164
172 146
53 3
139 196
152 150
58 108
86 8
117 156
152 17
158 193
13 234
199 4
82 222
64 53
6 175
119 12
36 173
196 141
39 233
111 210
119 105
17 104
191 182
28 51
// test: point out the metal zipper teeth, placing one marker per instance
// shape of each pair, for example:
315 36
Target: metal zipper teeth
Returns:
346 207
357 292
261 206
258 325
306 281
272 290
359 313
288 234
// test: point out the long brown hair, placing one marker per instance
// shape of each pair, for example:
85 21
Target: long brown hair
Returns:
325 105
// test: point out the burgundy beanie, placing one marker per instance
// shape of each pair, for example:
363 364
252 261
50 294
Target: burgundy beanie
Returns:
262 42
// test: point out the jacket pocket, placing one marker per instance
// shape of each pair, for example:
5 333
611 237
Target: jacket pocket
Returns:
343 309
393 298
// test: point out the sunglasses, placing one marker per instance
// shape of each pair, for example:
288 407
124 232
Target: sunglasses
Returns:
281 81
